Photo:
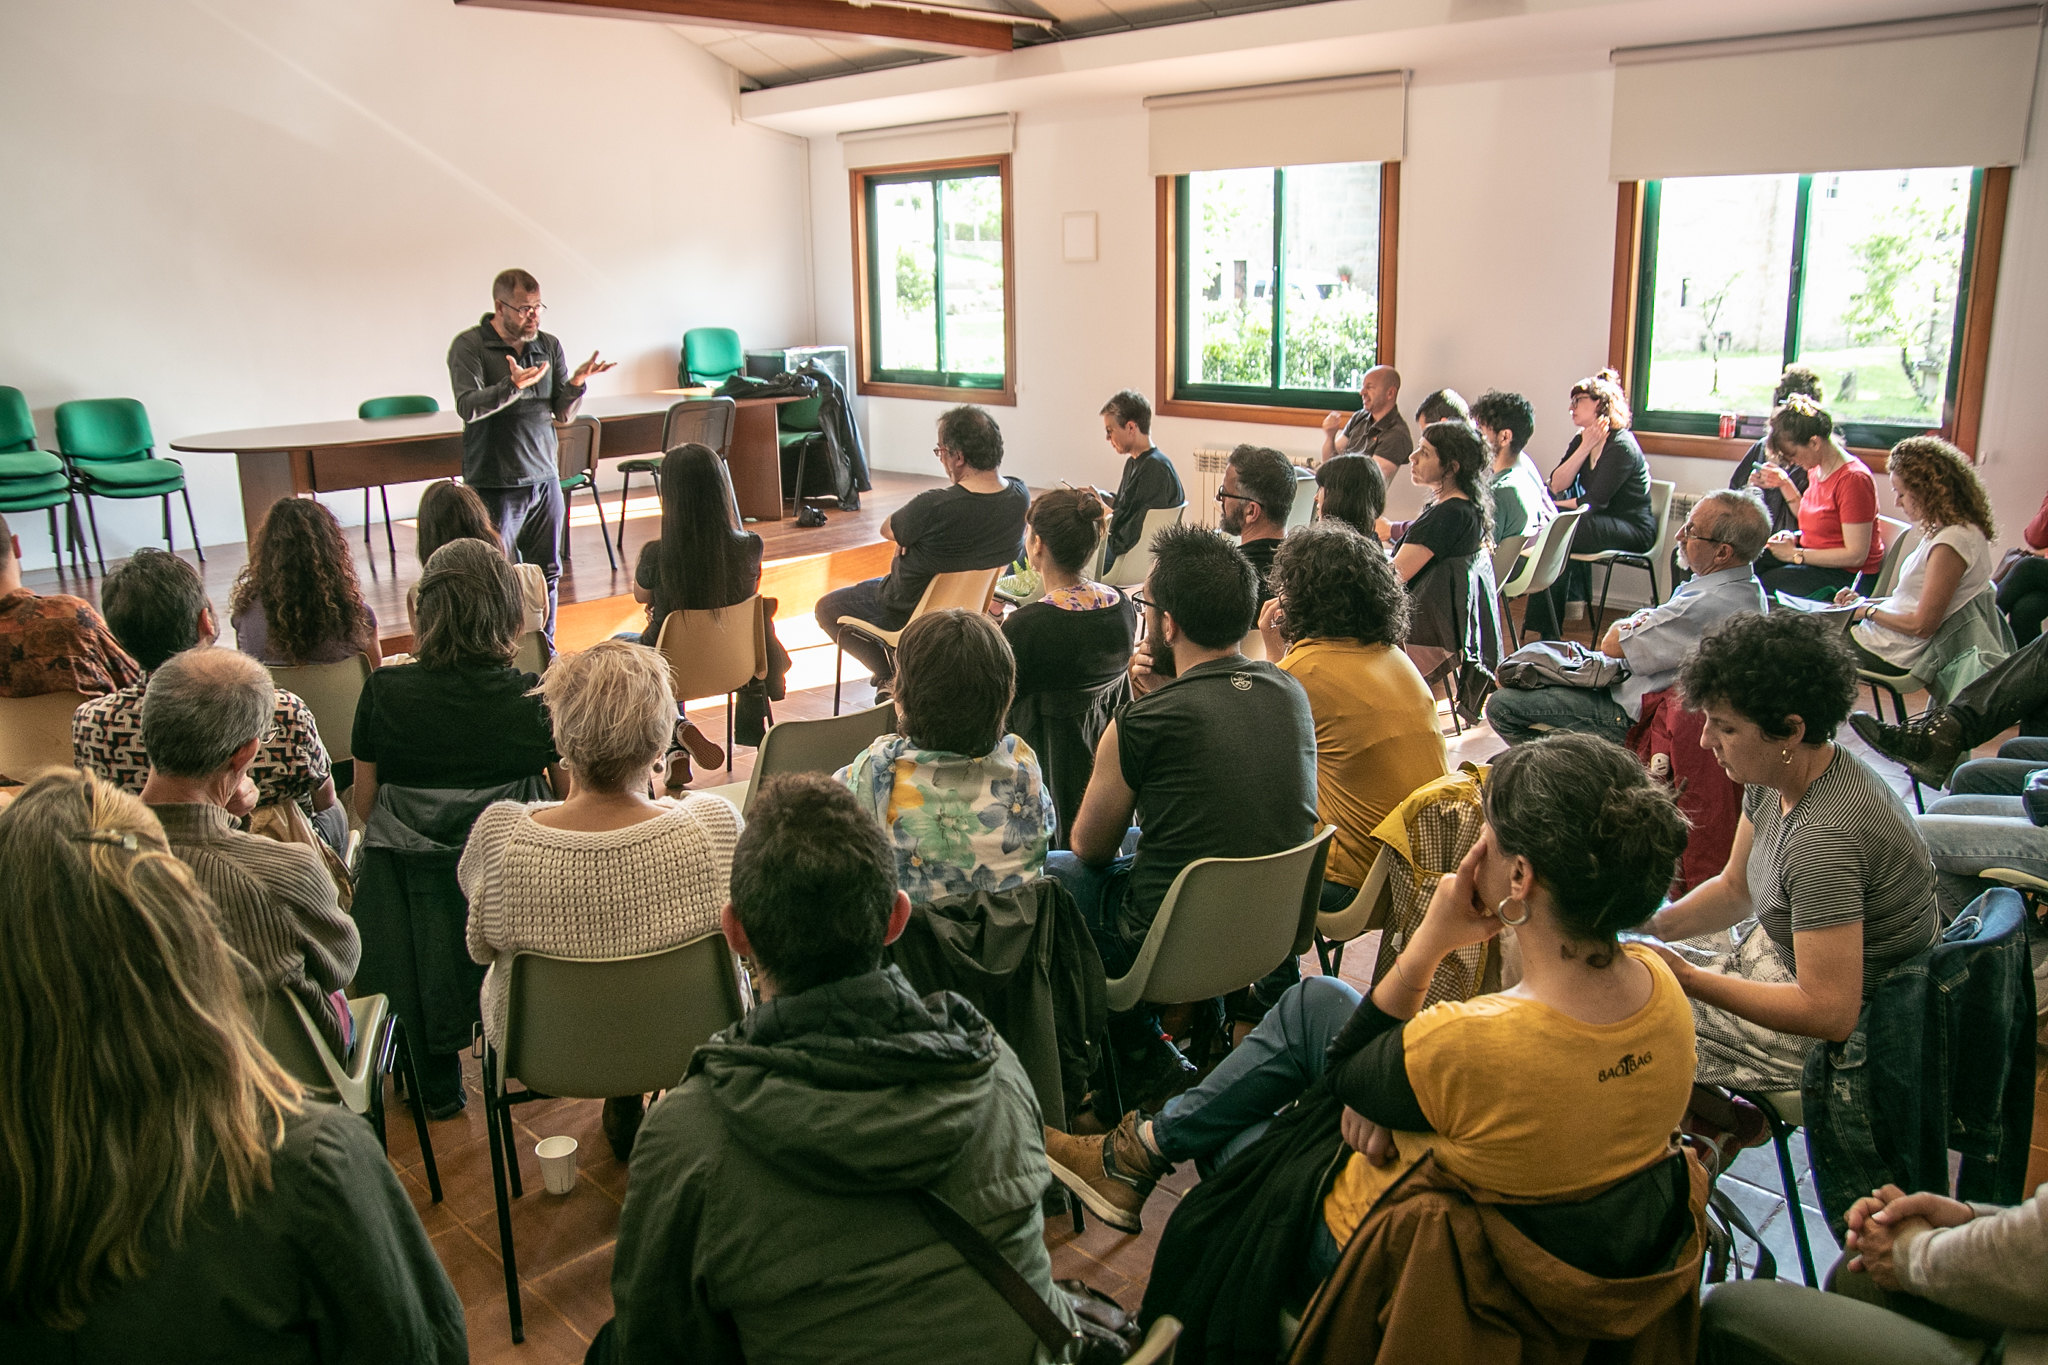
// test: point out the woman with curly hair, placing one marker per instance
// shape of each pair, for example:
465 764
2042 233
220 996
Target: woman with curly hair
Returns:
297 601
170 1192
1351 489
1826 859
1450 464
1936 487
1837 540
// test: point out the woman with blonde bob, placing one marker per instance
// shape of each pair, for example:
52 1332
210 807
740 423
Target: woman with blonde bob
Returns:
611 871
166 1191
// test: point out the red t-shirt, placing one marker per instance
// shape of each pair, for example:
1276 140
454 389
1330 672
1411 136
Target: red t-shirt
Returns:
1847 495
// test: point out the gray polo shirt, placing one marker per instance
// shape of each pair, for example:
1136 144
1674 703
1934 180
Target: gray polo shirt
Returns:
508 434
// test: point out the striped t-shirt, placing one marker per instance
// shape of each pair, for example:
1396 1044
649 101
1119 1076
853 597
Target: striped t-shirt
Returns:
1848 851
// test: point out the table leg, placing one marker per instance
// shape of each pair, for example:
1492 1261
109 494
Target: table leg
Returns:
266 477
756 462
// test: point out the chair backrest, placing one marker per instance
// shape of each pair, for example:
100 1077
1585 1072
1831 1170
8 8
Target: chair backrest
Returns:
532 656
805 414
1131 567
817 746
711 653
397 405
971 589
1661 491
103 429
712 355
1506 555
707 421
1225 923
1368 909
576 446
615 1026
1303 509
330 691
1899 540
294 1039
35 733
17 426
1546 557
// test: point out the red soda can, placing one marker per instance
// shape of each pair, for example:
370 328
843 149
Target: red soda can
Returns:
1727 425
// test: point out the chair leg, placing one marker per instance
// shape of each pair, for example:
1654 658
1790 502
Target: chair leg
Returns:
367 523
625 484
75 531
99 551
198 548
1600 616
728 737
838 664
56 550
390 544
495 1117
1781 1141
418 1105
170 539
603 533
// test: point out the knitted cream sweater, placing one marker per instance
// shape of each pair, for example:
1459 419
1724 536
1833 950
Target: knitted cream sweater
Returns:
569 893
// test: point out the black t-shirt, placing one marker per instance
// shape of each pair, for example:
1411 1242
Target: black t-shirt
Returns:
1223 762
947 530
1149 481
1059 651
1617 492
745 549
1448 528
1260 553
453 727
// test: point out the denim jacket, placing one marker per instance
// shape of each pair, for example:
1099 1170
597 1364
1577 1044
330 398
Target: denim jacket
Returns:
1942 1057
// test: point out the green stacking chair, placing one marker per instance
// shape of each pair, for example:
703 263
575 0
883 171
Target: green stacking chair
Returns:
797 425
711 355
376 410
108 444
33 480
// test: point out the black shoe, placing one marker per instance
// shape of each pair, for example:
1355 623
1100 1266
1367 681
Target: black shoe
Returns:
448 1109
622 1124
1929 747
1157 1074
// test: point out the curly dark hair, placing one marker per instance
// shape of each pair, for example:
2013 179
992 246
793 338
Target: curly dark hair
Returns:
1797 379
301 574
1334 584
1940 478
1509 412
1465 463
1602 837
974 434
1771 670
1354 491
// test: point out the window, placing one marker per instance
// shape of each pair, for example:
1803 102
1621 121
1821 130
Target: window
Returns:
1280 286
933 243
1861 275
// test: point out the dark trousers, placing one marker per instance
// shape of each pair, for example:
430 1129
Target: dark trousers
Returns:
1596 532
529 519
2023 597
862 600
1804 580
2014 693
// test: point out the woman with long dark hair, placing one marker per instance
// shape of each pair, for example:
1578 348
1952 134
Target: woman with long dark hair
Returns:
1451 464
453 511
1351 489
297 600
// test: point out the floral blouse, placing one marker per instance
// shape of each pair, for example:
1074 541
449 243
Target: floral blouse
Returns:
959 824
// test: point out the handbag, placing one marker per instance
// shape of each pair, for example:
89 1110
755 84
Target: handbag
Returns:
1105 1335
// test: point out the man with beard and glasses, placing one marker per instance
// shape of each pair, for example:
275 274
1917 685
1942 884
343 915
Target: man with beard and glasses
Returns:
1256 496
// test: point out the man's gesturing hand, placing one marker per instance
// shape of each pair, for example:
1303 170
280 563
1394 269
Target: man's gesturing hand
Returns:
525 378
588 368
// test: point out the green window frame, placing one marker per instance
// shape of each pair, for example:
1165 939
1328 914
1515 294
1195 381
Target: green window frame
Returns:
1863 435
944 380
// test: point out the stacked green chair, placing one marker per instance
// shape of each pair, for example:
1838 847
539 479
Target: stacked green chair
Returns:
711 355
376 410
798 426
33 480
109 447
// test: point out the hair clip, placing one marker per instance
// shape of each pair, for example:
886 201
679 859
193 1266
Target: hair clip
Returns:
107 836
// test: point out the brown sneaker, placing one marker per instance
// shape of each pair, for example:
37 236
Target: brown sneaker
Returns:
1112 1175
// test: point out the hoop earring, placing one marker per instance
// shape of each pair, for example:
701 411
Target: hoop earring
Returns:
1786 754
1501 912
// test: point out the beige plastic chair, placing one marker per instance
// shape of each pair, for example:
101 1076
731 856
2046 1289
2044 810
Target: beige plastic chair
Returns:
710 652
1899 540
593 1029
533 653
35 733
1133 564
811 746
972 589
1657 562
330 691
1542 561
1507 556
1367 911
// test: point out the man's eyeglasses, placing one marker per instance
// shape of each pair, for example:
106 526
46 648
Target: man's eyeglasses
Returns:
531 310
1687 532
1221 495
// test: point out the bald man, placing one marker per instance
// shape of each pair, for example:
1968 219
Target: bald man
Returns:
1377 428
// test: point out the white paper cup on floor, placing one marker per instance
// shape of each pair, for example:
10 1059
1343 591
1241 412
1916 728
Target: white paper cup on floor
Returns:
557 1163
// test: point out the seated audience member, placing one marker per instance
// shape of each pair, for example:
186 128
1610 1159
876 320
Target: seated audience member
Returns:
453 511
703 561
1784 517
1148 479
773 1213
1256 495
1449 465
437 740
1336 624
1079 634
1377 428
54 643
1445 405
1935 486
608 872
2023 584
1924 1271
156 607
975 523
1352 490
1204 721
2014 692
1518 1092
297 600
1726 532
1603 471
1837 539
171 1194
1826 860
961 800
203 722
1521 504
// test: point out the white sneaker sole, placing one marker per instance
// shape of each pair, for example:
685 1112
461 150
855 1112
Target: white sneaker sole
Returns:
1097 1205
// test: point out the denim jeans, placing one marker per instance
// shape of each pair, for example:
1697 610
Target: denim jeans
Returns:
862 600
2006 775
1516 712
1967 834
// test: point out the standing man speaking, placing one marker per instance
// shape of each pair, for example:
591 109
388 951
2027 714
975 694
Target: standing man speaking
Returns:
508 390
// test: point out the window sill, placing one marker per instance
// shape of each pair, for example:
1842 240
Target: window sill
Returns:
1243 412
1714 448
1005 397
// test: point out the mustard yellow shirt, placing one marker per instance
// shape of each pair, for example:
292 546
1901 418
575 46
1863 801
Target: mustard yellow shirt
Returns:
1533 1103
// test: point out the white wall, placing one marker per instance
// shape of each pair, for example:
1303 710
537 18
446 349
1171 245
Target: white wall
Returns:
248 212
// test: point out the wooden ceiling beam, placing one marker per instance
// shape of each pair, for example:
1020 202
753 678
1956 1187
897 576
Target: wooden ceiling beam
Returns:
919 30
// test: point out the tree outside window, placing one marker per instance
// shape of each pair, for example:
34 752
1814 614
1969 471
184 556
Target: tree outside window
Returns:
937 298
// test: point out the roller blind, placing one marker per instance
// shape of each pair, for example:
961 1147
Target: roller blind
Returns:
1952 91
1299 123
951 140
